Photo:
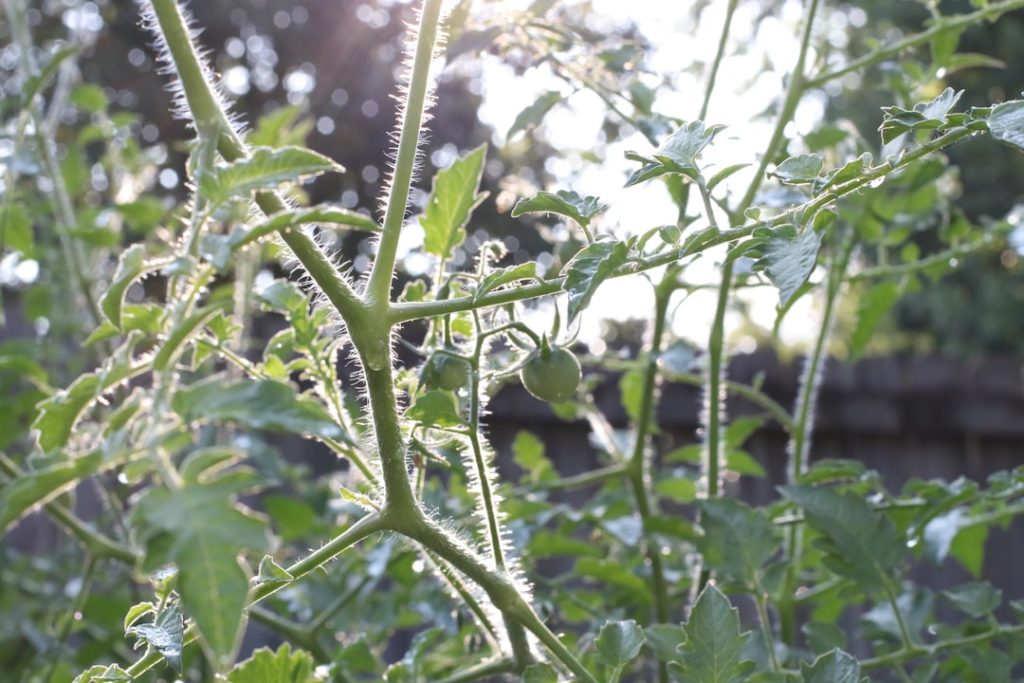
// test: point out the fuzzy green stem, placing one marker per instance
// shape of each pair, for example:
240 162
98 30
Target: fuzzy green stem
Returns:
378 289
639 464
211 120
499 588
800 436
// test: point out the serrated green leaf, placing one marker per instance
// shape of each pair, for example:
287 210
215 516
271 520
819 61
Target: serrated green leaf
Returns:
618 643
505 276
165 634
111 673
714 644
678 154
924 116
798 170
738 540
976 598
787 256
283 666
563 203
591 266
874 304
859 543
57 415
15 228
264 169
1006 123
835 666
202 531
265 404
435 408
531 117
452 199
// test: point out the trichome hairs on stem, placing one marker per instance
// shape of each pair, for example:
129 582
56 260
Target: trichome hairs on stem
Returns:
401 96
149 22
705 417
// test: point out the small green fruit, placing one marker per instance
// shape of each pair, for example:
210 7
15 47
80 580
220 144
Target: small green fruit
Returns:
552 376
443 371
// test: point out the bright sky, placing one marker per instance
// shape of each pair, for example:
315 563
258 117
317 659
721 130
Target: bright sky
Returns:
575 125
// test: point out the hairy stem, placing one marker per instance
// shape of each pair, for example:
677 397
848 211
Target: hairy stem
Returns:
639 464
378 289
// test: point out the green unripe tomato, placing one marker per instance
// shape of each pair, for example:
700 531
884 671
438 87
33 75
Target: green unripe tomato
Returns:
552 376
446 372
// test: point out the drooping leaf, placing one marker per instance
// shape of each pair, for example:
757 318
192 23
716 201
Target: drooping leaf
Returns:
58 414
976 598
505 276
35 487
435 408
131 266
714 644
835 666
267 666
875 303
165 634
264 169
452 199
799 170
678 154
200 530
618 643
264 404
738 540
178 338
588 269
530 117
787 256
563 203
1006 123
859 543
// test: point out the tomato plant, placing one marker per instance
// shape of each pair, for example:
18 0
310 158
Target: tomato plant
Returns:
211 529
